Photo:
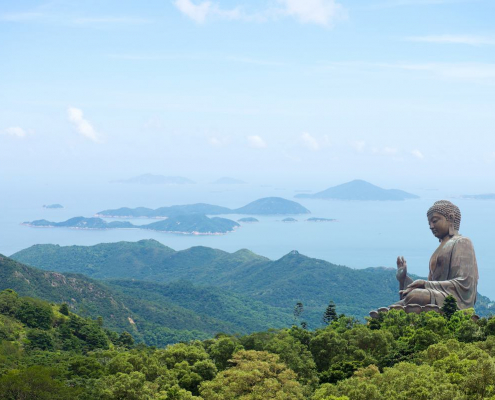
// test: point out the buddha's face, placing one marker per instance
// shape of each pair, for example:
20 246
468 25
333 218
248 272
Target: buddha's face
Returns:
439 225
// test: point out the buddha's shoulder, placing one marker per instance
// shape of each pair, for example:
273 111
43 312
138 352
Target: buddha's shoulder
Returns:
462 240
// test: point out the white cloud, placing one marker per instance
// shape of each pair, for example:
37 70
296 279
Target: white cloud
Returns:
472 40
358 145
256 142
215 142
197 13
416 153
389 151
399 3
82 125
310 142
200 12
321 12
15 131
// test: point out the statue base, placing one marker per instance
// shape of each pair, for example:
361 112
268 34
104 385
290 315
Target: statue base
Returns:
409 308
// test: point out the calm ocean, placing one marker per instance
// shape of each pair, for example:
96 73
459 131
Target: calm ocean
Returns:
367 234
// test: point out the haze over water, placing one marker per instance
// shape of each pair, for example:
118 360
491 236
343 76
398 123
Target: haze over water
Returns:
366 234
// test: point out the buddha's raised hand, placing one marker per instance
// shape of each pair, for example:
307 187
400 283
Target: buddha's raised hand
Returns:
401 269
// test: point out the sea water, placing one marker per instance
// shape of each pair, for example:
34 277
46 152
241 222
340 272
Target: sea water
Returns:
365 233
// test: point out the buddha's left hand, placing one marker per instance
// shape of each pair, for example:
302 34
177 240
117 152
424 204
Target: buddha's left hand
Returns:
417 284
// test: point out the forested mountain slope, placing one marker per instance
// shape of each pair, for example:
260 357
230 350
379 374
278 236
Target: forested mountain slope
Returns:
281 283
152 316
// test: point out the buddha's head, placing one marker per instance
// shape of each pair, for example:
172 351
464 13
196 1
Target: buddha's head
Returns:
444 219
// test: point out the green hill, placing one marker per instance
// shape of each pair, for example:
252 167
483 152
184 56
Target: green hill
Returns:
148 312
359 190
280 283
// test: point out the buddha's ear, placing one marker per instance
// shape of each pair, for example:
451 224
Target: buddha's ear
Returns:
451 220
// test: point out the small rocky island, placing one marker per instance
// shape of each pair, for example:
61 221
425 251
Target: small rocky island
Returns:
264 206
321 220
359 190
53 206
485 196
248 220
192 224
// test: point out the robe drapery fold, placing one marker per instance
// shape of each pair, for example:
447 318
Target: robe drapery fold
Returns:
453 270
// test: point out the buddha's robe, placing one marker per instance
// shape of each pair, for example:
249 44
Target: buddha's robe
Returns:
453 270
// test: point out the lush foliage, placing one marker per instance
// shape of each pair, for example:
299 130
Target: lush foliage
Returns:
45 354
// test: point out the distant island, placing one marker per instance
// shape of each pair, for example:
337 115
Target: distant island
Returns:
248 220
359 190
228 181
193 224
150 179
80 223
321 220
264 206
53 206
289 220
486 196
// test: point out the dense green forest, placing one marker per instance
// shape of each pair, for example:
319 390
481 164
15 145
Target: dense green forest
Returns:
279 284
157 314
48 352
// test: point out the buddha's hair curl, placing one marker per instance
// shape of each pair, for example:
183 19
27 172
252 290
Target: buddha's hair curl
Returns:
448 210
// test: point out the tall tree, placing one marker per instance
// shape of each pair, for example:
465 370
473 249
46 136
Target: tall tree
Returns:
330 314
449 306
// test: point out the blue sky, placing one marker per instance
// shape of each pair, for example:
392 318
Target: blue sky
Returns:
398 92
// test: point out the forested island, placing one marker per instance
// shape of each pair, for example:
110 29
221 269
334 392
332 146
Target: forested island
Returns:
196 224
264 206
248 220
359 190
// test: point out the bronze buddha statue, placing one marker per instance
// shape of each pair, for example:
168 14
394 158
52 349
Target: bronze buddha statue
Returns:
453 267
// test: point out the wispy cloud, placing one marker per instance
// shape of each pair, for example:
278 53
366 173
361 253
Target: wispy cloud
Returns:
416 153
255 61
386 151
401 3
358 145
14 131
453 70
21 16
321 12
471 40
50 16
108 20
215 142
310 142
465 71
82 125
206 9
256 142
